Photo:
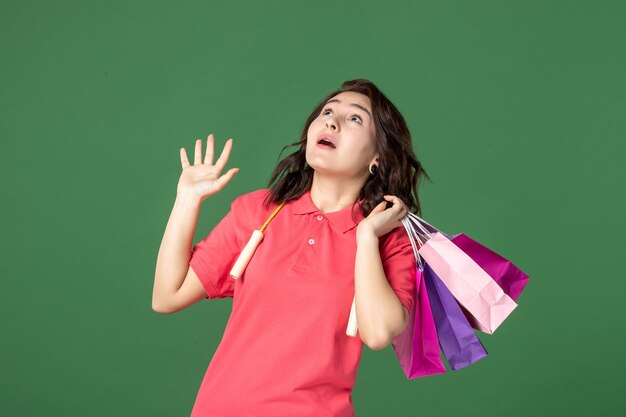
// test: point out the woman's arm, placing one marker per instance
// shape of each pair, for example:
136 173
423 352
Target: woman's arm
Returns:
175 251
380 315
197 182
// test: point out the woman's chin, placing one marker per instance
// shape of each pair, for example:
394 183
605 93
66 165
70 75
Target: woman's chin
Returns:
320 166
327 172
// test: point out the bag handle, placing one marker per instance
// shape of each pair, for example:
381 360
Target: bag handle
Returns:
418 221
413 236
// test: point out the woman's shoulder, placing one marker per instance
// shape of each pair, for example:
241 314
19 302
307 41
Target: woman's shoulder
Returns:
250 207
395 238
253 197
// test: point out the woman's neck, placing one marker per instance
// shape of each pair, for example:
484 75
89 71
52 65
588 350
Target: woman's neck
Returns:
331 195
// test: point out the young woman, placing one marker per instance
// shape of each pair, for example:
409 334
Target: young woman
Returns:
336 245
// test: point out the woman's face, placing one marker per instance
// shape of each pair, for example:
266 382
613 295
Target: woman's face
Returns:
347 119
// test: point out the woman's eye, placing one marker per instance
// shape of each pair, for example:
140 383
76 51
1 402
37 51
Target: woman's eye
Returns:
353 116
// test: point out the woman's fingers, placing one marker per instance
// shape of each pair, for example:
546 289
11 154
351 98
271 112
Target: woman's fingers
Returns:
378 209
398 205
183 158
210 143
221 162
224 179
197 157
210 153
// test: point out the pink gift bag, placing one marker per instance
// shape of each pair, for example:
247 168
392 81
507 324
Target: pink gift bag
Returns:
509 277
484 300
417 347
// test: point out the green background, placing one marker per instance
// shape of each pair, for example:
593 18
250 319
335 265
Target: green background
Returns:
516 110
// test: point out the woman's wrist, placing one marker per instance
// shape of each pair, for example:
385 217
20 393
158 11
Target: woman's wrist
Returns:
186 199
365 233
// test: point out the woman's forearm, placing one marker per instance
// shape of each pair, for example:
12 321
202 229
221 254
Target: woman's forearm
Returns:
175 250
380 315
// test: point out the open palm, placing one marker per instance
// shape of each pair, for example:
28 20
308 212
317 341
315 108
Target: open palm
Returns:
202 179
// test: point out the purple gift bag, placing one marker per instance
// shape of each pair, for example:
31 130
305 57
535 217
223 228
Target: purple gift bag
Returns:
461 347
417 347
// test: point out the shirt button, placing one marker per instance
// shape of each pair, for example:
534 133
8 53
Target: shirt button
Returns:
311 241
320 217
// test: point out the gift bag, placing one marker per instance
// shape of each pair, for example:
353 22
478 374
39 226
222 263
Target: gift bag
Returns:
417 347
485 302
510 278
461 347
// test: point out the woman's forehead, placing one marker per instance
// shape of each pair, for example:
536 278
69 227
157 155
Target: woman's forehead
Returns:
351 98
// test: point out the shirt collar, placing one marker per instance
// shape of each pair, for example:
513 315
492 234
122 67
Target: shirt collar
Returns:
341 219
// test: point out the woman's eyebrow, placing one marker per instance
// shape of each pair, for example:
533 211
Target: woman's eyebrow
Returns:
352 104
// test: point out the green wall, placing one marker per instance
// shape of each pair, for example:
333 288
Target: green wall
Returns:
516 110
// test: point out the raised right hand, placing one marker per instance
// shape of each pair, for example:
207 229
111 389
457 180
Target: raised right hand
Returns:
202 179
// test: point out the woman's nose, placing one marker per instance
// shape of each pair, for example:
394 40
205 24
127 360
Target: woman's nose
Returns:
331 124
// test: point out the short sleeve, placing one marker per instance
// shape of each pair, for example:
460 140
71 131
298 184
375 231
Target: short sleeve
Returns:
399 265
213 257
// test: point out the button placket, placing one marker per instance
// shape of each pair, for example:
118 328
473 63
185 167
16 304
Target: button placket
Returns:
319 218
308 249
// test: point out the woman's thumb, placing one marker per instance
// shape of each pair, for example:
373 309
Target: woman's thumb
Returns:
224 179
380 207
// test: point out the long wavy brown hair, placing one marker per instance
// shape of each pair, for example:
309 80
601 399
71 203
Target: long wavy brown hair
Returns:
399 171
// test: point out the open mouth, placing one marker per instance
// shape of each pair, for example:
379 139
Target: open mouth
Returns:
326 143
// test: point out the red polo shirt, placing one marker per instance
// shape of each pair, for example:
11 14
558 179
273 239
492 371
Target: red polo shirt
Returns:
285 352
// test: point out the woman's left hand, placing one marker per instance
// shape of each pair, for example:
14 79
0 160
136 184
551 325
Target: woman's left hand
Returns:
381 221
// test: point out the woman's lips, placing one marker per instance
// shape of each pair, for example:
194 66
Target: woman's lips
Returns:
324 146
